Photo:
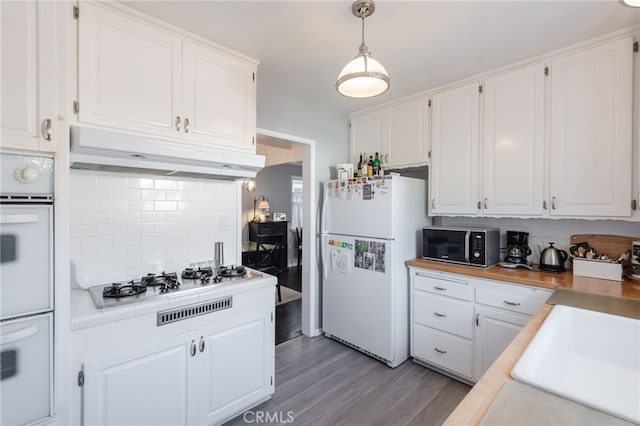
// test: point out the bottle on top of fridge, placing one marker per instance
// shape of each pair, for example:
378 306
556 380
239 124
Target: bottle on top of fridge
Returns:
363 172
376 165
381 169
359 169
370 166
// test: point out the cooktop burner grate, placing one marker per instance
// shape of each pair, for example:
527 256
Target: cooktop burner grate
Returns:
116 290
232 271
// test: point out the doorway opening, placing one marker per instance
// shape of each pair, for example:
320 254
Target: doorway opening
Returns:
287 177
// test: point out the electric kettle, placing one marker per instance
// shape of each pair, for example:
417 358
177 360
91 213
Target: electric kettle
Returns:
552 259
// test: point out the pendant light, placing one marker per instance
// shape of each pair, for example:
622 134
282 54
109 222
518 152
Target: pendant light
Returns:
632 3
363 77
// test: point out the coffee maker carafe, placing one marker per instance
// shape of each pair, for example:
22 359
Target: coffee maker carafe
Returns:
517 248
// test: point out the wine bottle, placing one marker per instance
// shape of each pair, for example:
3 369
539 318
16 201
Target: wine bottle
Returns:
376 165
363 172
359 169
370 166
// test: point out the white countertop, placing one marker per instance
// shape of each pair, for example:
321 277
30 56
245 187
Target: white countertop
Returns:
84 313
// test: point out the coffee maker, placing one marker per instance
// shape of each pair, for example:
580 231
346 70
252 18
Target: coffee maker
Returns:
517 248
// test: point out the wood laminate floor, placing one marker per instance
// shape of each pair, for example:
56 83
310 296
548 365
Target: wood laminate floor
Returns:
289 315
322 382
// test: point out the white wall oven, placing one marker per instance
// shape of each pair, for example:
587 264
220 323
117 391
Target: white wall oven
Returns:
26 288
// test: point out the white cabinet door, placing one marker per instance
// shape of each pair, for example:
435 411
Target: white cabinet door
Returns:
368 135
239 365
513 165
219 98
454 158
495 329
129 73
151 385
590 150
408 135
28 111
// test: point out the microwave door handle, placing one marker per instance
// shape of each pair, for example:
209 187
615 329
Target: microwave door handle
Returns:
467 235
18 335
7 219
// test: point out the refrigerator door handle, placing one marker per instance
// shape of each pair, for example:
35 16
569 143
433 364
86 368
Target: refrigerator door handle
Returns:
323 210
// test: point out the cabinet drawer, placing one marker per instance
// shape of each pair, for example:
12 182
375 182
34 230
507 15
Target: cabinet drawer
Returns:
443 313
445 286
512 302
444 350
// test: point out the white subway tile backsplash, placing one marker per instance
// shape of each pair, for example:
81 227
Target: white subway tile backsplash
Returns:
137 182
153 216
138 205
110 180
188 185
166 184
165 205
112 205
126 194
153 194
96 218
126 217
155 238
123 227
177 195
140 228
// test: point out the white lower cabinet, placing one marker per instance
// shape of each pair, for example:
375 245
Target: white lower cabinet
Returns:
460 325
495 329
442 322
198 378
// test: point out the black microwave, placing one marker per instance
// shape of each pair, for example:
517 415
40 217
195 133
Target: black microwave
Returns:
466 246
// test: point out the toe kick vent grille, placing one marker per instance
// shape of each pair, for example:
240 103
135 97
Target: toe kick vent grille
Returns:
195 310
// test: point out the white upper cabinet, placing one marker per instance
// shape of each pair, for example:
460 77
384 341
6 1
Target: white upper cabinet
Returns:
218 98
455 149
513 142
129 73
368 135
408 135
140 77
591 142
28 117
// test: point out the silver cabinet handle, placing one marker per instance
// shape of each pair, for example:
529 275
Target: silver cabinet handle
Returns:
46 129
386 158
178 123
485 203
186 125
439 315
433 203
506 302
553 203
201 344
193 348
479 205
477 320
440 351
544 205
440 288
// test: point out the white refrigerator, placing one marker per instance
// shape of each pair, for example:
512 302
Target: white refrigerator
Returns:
370 227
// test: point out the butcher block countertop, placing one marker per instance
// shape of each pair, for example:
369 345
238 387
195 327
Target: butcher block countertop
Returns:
475 405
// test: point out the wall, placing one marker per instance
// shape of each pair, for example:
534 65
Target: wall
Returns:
275 184
283 112
125 226
278 152
543 231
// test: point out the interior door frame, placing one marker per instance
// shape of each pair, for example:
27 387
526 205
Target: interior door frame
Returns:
311 296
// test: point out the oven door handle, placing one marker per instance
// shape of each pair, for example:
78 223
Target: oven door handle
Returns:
6 219
18 335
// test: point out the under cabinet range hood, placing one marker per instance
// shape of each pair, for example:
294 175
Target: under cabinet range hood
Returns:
94 149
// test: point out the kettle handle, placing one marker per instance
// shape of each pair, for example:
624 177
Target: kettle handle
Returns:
563 255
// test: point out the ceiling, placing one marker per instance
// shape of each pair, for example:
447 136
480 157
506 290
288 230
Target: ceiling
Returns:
303 45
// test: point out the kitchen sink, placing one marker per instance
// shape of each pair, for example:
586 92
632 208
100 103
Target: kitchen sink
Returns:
588 357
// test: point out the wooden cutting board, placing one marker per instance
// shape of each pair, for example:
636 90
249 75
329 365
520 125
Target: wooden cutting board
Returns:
611 245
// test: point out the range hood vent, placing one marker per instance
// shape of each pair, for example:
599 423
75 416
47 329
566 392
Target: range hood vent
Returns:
93 149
